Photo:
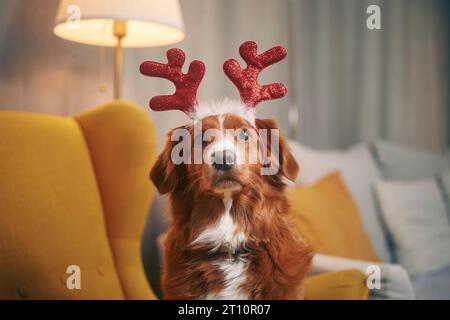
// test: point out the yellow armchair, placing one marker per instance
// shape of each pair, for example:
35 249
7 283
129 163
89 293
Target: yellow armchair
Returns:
75 191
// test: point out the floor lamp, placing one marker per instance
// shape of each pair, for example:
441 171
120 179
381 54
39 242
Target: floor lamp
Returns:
120 24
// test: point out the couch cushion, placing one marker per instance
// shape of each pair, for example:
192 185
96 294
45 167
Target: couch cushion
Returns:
359 172
328 219
416 217
400 162
50 212
433 285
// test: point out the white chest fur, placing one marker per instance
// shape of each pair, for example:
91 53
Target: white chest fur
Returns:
226 231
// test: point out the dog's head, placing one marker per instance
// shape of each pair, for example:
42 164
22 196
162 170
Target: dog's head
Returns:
221 153
225 147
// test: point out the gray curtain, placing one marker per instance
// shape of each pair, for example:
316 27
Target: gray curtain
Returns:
354 84
346 83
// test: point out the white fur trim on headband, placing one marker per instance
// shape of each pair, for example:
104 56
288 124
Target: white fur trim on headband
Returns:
224 106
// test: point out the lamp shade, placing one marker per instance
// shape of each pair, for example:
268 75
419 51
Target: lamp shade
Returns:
149 23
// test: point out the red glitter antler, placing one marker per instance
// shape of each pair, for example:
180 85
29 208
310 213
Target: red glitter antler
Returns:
246 80
185 96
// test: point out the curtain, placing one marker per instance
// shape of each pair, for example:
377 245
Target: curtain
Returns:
354 84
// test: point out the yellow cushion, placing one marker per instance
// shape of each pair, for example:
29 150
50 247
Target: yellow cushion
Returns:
50 212
340 285
122 144
328 219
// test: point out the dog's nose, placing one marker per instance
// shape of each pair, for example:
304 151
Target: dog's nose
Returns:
223 160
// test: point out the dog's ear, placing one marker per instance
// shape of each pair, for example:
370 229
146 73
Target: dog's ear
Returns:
166 175
287 164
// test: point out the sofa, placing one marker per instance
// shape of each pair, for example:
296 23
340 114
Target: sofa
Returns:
402 196
75 195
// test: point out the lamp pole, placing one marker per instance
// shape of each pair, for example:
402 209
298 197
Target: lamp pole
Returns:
120 31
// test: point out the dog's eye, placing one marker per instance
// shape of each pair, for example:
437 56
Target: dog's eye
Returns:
244 135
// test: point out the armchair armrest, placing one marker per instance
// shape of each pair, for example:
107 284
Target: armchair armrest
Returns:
339 285
395 281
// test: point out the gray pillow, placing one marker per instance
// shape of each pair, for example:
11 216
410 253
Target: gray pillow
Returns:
400 162
445 182
433 285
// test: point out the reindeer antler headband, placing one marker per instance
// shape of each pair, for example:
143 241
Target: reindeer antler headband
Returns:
246 80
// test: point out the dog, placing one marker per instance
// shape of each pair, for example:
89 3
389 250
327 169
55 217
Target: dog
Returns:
229 237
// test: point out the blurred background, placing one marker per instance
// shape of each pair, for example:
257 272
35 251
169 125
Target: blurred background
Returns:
346 83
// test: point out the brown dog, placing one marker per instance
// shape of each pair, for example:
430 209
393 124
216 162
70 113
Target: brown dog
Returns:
229 237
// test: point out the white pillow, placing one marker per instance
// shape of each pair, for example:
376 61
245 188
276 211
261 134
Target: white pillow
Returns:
416 217
400 162
359 172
